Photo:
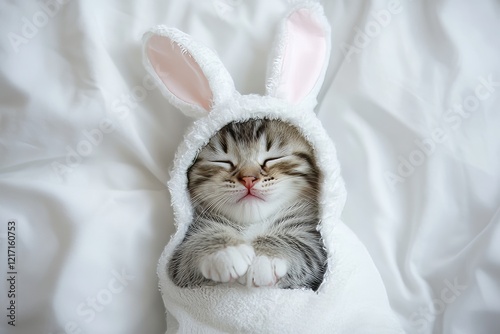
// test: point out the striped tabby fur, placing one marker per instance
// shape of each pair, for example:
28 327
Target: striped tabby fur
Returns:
254 190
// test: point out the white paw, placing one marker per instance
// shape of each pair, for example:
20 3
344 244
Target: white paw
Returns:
264 271
227 264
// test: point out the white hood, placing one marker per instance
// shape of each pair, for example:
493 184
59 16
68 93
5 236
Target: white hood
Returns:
351 298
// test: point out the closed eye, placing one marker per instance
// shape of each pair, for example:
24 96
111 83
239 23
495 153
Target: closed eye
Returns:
223 163
264 164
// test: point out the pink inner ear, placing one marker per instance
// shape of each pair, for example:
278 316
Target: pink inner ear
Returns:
179 71
304 56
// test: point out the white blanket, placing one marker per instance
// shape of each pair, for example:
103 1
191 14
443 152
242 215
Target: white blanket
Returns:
92 213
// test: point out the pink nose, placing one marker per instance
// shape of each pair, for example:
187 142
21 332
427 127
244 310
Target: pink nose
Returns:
249 181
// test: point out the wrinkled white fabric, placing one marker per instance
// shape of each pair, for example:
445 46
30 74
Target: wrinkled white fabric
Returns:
90 230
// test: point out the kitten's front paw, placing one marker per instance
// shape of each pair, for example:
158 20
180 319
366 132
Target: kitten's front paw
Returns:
227 264
264 271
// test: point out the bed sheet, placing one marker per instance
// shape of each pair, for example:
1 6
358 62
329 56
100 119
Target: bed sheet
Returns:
411 99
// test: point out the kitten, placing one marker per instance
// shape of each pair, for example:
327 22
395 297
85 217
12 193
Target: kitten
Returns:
254 189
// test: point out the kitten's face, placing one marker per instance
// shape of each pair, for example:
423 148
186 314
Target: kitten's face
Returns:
250 171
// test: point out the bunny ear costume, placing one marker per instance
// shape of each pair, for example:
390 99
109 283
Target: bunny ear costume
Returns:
352 297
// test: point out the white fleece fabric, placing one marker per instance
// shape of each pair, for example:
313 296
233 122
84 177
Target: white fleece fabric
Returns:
352 297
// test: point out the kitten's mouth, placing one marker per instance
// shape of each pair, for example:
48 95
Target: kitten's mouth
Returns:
250 196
